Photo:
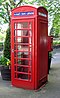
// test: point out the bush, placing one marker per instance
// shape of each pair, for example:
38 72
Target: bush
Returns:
7 44
4 61
1 46
50 54
56 43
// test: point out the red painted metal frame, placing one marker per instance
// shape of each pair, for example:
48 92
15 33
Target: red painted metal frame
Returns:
21 82
39 65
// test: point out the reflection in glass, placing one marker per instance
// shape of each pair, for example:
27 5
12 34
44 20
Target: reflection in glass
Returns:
15 47
15 39
14 54
15 32
30 25
22 62
22 54
30 37
22 76
30 63
15 75
22 39
15 26
19 39
14 61
19 62
23 47
30 33
22 32
15 68
21 25
19 32
22 69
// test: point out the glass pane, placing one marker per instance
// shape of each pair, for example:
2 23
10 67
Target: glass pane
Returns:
30 63
21 25
22 76
30 37
15 32
15 68
30 25
22 62
15 39
22 32
23 47
14 54
23 39
15 75
15 26
30 48
19 32
22 69
19 39
15 47
15 61
30 33
22 54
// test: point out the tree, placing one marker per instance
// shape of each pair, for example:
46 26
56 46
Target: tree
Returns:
56 24
53 7
6 7
7 44
54 10
5 13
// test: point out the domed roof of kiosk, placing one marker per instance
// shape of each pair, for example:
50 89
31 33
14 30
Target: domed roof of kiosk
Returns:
32 6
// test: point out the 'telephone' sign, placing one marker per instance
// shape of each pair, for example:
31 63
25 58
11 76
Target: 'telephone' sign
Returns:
23 13
42 14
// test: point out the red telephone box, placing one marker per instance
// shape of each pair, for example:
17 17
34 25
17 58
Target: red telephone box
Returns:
29 47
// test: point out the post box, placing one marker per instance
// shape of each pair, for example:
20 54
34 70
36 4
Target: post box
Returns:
50 49
29 47
50 43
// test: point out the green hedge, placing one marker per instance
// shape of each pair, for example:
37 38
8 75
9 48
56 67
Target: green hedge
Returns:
7 44
56 42
1 45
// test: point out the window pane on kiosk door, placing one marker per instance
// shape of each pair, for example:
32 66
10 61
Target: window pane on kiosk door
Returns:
22 54
23 47
22 69
15 32
21 25
23 76
22 32
22 62
22 40
15 26
30 25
